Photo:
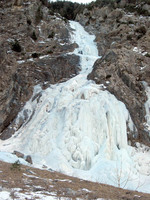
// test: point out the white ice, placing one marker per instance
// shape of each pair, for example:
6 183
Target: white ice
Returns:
6 195
77 128
11 158
77 1
147 106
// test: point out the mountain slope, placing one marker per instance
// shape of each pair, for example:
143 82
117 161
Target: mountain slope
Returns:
78 127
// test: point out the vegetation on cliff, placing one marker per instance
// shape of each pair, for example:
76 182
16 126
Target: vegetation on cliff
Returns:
69 10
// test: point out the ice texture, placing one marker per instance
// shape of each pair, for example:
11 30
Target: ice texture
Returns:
77 1
147 106
79 129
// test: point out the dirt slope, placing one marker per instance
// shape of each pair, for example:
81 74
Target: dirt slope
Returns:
55 184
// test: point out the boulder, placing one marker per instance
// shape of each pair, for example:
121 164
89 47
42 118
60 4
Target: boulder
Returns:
18 154
29 159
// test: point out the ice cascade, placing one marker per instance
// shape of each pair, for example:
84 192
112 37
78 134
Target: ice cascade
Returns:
74 127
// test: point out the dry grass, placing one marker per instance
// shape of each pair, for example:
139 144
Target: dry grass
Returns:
29 179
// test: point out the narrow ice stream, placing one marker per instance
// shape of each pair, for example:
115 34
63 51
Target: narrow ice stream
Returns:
76 127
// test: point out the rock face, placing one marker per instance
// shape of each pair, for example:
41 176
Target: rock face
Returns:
29 159
29 49
33 50
18 154
21 155
123 40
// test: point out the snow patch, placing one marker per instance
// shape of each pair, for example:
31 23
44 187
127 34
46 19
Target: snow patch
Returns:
4 195
44 56
139 51
77 1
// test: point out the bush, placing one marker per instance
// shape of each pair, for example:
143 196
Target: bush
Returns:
35 55
15 46
141 30
68 10
146 1
101 3
38 15
147 55
45 2
51 35
16 165
33 36
50 51
29 22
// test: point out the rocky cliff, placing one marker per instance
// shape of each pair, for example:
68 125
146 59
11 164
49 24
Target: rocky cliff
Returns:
123 38
33 47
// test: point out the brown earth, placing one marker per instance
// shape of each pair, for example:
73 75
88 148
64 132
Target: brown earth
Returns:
29 179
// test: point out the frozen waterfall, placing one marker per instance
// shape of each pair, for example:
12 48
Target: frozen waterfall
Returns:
76 127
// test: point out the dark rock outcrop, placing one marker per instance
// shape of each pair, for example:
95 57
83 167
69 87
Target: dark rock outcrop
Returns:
18 154
29 49
21 155
29 159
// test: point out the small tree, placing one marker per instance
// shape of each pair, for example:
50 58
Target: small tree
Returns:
121 179
15 46
16 166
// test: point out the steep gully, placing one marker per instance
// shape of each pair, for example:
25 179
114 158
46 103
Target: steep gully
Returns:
80 129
